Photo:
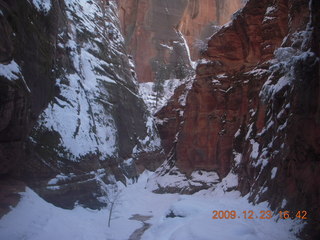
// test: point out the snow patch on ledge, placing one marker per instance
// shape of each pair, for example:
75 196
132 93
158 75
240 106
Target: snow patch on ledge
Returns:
286 59
10 71
42 5
60 178
274 172
154 102
229 182
174 180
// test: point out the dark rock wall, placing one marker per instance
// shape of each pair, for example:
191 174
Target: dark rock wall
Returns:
25 34
28 42
72 88
289 143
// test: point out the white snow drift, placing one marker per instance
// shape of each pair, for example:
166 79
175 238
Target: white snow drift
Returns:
191 218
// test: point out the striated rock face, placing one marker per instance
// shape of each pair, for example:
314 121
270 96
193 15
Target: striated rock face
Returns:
204 17
253 108
225 91
153 39
67 81
158 33
25 35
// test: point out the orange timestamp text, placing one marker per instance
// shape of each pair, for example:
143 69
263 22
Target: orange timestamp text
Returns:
226 214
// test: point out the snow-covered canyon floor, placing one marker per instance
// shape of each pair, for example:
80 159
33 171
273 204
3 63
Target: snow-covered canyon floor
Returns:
35 219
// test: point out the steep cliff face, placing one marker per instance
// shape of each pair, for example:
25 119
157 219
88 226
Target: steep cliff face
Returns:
153 39
66 61
202 18
222 93
21 40
25 86
253 109
159 33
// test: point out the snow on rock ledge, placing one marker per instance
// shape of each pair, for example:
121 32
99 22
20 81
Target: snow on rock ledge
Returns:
42 5
174 181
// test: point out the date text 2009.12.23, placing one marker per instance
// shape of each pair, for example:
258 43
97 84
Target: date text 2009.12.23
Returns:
226 214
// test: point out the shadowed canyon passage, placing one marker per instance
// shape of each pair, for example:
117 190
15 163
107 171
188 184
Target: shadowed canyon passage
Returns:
197 91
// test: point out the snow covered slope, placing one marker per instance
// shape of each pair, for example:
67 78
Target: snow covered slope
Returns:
161 216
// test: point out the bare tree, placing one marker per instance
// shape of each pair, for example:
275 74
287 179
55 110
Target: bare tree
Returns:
113 198
112 195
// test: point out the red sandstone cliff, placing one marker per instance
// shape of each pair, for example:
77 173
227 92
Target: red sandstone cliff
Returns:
254 107
202 18
154 30
225 89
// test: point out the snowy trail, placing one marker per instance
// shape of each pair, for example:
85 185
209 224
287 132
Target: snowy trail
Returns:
137 234
160 217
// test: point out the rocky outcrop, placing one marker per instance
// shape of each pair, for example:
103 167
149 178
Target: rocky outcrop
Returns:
253 108
71 117
159 33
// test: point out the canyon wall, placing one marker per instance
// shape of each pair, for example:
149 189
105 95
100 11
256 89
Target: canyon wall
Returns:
202 18
252 112
26 85
159 33
71 117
